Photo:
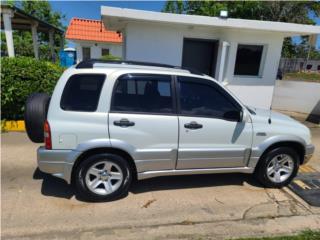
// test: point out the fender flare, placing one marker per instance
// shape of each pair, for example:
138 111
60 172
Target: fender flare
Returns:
258 151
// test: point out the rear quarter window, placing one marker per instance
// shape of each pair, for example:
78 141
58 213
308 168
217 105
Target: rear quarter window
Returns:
82 92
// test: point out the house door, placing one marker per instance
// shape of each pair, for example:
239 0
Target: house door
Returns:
86 53
200 55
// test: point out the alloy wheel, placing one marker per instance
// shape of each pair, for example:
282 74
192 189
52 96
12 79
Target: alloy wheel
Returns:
280 168
104 177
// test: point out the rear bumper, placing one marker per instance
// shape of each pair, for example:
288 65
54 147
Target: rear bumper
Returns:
309 152
59 163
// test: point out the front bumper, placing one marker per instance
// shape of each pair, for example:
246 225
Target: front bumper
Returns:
309 152
59 163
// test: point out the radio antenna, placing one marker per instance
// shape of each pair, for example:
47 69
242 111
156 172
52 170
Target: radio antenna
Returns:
269 119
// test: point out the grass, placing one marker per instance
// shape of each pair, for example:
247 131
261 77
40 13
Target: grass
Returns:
305 235
303 76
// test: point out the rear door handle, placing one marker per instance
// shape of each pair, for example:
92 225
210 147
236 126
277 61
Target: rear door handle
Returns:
193 125
123 123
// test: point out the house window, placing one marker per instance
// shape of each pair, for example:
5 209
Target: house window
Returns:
309 66
86 53
105 51
248 60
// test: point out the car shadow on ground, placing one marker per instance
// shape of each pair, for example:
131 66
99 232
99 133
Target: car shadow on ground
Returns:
55 187
193 181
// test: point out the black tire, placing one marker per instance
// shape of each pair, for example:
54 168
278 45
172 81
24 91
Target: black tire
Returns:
261 169
35 114
83 191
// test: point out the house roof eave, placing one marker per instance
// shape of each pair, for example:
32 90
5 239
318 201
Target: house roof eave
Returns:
117 18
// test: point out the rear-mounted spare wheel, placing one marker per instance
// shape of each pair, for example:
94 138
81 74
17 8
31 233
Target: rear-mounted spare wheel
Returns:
35 115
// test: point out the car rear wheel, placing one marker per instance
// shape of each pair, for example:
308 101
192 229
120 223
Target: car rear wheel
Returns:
278 167
103 177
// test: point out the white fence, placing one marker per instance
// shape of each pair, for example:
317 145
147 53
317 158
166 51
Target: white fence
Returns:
299 64
297 96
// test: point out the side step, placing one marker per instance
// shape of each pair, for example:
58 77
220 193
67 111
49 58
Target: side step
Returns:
151 174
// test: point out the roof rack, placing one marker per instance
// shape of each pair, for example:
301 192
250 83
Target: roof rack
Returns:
90 62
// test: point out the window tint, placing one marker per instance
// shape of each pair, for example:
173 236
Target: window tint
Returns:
143 93
82 92
200 99
248 60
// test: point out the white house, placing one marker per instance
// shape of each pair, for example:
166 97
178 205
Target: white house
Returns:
93 40
243 54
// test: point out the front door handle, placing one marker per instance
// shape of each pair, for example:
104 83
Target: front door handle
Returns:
123 123
193 125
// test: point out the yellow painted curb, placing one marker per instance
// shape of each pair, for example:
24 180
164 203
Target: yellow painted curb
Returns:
14 126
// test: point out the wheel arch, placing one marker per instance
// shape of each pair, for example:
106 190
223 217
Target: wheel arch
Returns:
98 150
296 146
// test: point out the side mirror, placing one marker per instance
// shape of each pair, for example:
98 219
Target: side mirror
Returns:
234 116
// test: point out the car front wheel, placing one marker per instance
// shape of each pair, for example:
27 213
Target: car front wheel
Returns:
278 167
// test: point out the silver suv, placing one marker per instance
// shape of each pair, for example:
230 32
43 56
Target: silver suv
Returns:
108 123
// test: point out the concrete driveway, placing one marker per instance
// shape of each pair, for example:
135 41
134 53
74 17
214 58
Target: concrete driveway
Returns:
38 206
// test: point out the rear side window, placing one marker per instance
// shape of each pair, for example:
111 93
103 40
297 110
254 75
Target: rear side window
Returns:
143 93
82 92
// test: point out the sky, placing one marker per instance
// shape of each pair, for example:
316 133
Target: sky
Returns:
91 10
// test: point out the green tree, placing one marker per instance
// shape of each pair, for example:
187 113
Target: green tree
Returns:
22 42
284 11
174 7
314 54
288 49
43 11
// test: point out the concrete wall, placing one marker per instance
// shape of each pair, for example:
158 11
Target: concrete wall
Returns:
96 49
297 96
164 44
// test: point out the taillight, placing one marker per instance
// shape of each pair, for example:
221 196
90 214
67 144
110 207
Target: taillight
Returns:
47 135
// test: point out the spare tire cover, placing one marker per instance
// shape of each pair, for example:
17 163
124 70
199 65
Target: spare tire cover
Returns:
35 115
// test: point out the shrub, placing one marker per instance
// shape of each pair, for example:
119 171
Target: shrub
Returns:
22 76
110 57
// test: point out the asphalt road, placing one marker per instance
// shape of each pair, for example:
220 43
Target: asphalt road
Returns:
38 206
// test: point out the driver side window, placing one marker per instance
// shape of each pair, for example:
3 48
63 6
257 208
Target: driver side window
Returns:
198 98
